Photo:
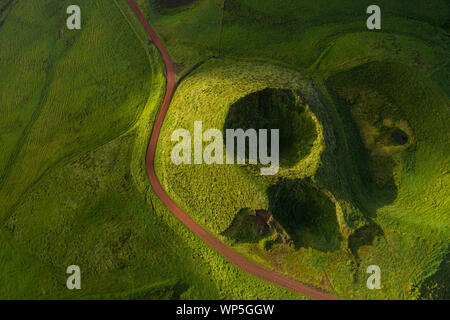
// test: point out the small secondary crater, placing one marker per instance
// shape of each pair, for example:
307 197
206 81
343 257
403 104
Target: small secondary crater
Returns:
400 137
172 4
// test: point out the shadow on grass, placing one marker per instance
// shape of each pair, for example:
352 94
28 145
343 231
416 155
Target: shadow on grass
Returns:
375 172
307 214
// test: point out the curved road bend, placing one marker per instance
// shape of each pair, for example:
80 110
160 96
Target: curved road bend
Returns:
228 253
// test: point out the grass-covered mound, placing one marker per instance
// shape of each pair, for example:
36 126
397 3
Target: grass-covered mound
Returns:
339 216
227 84
325 213
377 99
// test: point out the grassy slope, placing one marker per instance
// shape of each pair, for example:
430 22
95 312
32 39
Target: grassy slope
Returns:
207 96
74 190
65 115
330 42
176 28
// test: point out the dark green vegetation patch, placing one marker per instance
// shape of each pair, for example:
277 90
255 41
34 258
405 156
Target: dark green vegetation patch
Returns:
171 4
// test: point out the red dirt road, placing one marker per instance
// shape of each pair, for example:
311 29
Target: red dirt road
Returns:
231 255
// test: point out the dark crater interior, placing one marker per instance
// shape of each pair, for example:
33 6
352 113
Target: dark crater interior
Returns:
172 4
399 137
276 109
307 214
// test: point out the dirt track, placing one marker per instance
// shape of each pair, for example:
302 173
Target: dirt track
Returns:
235 258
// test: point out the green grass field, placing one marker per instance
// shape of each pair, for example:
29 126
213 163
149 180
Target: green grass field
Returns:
77 111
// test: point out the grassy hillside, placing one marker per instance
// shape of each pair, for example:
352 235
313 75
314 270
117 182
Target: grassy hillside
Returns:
62 90
299 33
357 197
77 110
